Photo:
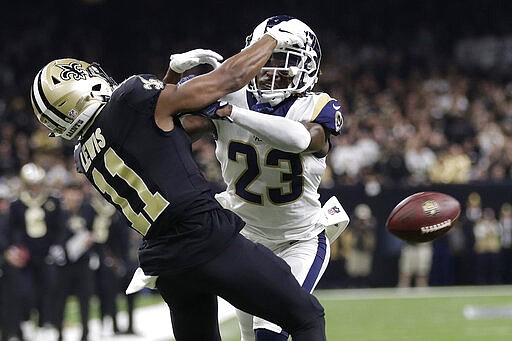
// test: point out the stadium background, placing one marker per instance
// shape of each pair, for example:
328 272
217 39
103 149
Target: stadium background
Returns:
378 56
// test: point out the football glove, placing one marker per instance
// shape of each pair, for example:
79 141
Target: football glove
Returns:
210 111
264 108
56 255
185 79
182 62
288 33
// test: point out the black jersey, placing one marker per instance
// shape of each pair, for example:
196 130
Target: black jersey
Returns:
78 250
36 222
148 174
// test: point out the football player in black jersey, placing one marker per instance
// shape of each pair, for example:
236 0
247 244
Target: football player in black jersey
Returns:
35 219
133 149
75 275
12 259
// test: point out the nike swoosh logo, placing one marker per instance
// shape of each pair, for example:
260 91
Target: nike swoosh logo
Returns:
336 107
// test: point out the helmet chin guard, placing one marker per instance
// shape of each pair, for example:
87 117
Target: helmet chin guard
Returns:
271 98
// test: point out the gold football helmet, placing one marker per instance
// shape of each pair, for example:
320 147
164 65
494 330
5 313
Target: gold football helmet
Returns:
68 93
32 174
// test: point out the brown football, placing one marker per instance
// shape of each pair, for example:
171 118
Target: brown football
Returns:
423 216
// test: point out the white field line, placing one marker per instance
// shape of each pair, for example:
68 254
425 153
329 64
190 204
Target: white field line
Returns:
151 323
413 293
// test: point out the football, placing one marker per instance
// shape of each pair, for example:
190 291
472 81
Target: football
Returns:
423 216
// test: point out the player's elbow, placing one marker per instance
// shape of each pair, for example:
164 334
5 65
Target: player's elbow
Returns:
299 144
296 142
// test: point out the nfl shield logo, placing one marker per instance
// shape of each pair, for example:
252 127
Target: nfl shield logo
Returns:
333 210
430 208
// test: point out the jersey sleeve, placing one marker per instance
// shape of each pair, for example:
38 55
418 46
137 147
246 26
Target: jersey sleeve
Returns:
140 92
329 113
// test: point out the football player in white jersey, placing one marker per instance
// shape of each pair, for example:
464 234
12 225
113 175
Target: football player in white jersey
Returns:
272 142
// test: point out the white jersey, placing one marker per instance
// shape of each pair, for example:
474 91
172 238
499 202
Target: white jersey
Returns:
274 191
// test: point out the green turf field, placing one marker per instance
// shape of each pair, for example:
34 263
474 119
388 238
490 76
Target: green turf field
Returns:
428 314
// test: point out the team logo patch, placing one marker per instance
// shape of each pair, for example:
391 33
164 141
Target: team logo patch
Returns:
73 113
430 208
338 120
49 206
152 83
333 210
72 70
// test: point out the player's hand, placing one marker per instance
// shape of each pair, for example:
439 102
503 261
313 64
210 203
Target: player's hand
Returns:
288 33
16 256
182 62
57 255
217 111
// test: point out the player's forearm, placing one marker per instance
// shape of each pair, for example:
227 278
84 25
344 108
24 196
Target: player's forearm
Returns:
229 77
242 67
281 133
171 77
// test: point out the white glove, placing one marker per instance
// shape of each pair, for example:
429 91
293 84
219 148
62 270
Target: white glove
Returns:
288 33
56 255
182 62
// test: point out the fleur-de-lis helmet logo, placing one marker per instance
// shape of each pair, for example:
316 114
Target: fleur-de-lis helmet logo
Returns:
72 70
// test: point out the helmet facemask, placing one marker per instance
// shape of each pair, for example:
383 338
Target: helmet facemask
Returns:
67 94
300 66
288 72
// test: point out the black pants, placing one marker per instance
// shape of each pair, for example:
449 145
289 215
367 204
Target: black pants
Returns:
251 278
107 284
36 285
11 311
74 279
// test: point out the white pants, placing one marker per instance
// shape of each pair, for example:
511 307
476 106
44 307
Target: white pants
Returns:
308 260
416 259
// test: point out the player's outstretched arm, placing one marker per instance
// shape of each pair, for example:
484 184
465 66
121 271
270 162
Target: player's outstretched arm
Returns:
279 132
286 34
202 90
230 76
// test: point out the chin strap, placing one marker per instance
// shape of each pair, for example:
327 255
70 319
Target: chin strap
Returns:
273 98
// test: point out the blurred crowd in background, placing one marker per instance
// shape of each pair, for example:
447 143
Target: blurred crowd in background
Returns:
425 102
422 107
